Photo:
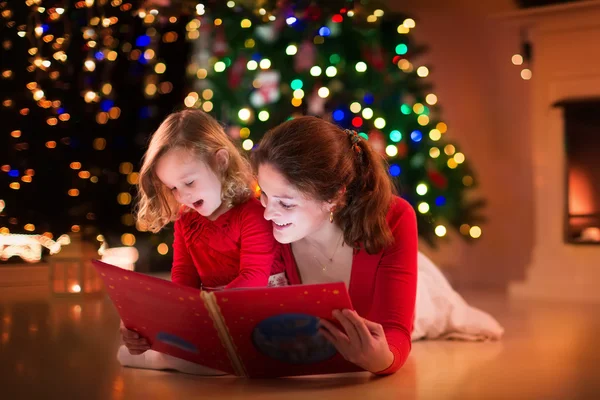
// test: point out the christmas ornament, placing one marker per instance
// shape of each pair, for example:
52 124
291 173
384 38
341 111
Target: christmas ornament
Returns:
315 104
373 55
437 179
267 92
377 141
233 132
220 47
402 150
236 72
305 58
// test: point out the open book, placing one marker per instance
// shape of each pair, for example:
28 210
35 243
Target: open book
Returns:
257 332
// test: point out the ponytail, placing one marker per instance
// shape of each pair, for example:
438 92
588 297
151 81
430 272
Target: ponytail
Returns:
367 200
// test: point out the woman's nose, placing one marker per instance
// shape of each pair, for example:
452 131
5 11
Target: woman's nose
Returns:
269 212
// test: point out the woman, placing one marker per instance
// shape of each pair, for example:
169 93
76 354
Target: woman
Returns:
333 205
331 201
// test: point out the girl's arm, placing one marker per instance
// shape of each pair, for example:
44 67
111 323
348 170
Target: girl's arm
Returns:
257 249
183 271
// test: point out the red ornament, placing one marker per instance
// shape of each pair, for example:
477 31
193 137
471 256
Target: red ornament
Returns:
337 18
357 122
157 3
402 150
313 12
220 44
373 55
236 72
437 179
377 141
234 132
306 56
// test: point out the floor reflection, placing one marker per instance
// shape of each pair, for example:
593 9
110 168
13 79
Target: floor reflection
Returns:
64 345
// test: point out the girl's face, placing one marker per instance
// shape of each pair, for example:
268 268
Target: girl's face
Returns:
192 182
294 216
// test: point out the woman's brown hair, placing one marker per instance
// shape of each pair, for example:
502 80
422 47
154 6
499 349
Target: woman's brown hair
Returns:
330 164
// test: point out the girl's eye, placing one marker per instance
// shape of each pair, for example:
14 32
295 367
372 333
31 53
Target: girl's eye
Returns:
189 183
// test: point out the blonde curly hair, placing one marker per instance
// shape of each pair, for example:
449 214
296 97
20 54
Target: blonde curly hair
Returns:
198 132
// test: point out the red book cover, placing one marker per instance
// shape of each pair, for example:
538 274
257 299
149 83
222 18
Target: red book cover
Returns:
173 318
255 332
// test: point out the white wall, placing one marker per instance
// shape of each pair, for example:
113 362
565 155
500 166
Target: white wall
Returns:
485 104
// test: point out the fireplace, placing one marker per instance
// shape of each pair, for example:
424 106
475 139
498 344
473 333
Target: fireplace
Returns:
565 153
582 162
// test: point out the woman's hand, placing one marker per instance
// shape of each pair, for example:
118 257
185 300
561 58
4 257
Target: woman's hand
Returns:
363 342
133 341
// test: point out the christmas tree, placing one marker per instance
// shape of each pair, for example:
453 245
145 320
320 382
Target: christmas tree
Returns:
256 64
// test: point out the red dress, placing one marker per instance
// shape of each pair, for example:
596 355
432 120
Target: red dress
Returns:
235 250
383 286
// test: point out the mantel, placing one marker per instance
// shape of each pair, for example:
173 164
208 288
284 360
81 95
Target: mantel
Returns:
534 13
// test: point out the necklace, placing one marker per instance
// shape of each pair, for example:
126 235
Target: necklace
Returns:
330 259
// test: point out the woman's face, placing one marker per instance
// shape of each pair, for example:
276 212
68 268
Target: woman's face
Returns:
293 215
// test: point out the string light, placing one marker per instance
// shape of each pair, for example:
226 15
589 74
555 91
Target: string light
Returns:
252 65
391 150
517 59
331 71
421 189
244 114
440 230
263 115
247 144
379 123
435 135
162 249
422 71
323 92
475 232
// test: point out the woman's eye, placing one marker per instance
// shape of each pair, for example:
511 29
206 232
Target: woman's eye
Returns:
286 206
189 183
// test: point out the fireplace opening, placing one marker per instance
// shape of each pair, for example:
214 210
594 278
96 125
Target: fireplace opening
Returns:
582 145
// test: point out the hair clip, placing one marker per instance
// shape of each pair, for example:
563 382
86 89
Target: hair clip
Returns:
355 138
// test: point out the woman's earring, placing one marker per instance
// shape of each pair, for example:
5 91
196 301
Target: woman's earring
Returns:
331 216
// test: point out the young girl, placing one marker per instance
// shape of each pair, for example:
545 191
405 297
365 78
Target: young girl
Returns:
333 205
193 174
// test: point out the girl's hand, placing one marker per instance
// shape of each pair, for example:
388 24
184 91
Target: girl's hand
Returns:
133 341
363 342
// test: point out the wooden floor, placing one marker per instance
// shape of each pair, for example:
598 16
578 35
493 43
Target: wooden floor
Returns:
57 348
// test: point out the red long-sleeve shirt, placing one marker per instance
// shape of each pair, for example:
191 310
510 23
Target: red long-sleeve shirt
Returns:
383 286
236 250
